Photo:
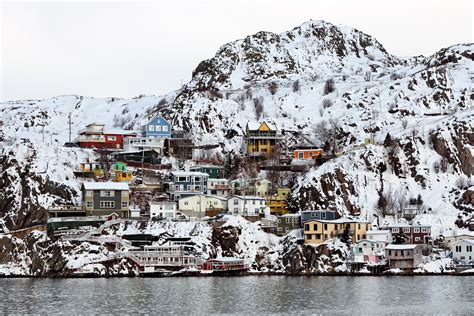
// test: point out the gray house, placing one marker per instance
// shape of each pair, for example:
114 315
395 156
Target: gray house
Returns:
287 223
185 184
105 198
317 215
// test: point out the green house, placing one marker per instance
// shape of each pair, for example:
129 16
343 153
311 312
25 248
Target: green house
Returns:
214 172
119 166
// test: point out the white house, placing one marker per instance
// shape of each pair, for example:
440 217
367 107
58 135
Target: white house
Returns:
246 205
218 187
366 250
462 251
163 209
144 143
453 236
261 187
200 205
384 235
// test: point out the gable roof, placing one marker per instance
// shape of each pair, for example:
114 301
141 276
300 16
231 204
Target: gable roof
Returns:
122 186
254 126
158 117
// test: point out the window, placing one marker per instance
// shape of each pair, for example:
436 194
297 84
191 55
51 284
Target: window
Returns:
280 229
469 248
253 202
89 193
107 193
416 230
165 128
390 252
325 226
183 179
107 204
324 216
288 220
151 128
89 204
358 226
112 138
424 230
185 203
306 226
395 230
236 202
406 230
315 226
158 128
309 236
417 238
300 155
124 204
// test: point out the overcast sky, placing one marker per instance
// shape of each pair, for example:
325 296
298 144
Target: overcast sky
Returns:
124 48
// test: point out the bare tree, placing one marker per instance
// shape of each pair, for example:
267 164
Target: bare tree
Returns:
273 87
329 86
368 75
404 123
296 86
258 103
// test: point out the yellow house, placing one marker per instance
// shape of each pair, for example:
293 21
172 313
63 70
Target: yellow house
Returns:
277 203
318 231
261 139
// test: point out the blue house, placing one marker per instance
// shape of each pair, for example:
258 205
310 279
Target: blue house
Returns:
157 127
317 215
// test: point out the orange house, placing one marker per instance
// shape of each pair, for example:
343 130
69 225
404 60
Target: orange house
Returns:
307 153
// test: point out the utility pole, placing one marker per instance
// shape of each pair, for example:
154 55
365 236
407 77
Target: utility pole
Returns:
69 122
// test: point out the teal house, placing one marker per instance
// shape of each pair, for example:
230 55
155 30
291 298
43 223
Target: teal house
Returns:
214 172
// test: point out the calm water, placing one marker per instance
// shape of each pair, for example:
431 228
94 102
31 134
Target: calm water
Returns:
242 295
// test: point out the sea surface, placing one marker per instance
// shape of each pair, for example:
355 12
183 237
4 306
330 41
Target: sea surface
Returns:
429 295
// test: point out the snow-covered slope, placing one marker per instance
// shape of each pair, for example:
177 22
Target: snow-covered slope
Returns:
424 103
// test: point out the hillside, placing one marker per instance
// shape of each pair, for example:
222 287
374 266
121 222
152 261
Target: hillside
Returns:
418 110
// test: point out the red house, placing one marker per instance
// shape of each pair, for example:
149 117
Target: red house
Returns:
412 234
95 136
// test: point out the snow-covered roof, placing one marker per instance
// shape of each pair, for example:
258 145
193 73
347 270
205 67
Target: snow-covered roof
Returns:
253 126
291 215
405 225
248 197
206 166
105 186
226 259
401 247
120 132
204 195
219 180
341 220
469 241
188 173
378 232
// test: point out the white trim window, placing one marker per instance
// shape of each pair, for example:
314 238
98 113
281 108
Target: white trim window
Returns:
395 230
424 230
165 128
151 128
89 193
107 204
107 193
124 204
406 230
158 128
416 230
89 204
124 193
111 138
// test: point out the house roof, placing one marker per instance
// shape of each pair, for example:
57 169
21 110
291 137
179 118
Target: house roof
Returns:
207 196
469 241
254 126
401 247
158 117
117 131
105 186
406 226
377 232
248 197
188 173
226 259
342 220
290 215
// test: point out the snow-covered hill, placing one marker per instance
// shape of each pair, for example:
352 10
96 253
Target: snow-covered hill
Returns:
424 103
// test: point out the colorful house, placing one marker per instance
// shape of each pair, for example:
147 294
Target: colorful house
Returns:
261 140
95 136
260 187
318 231
410 234
368 251
214 172
105 198
307 154
277 203
120 173
157 127
287 223
317 215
